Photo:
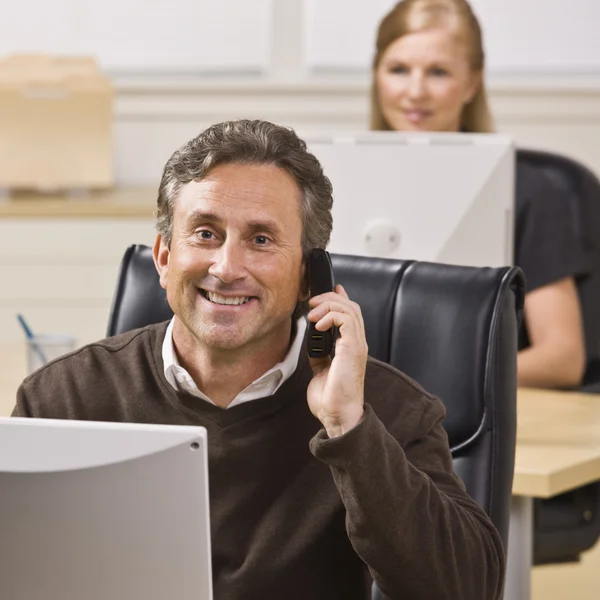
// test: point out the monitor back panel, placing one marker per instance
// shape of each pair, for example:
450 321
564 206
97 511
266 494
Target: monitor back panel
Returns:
111 511
435 197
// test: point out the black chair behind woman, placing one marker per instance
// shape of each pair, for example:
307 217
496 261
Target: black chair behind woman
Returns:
582 197
569 524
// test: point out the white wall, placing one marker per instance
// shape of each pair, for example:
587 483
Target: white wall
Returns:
280 47
152 121
237 35
521 36
145 35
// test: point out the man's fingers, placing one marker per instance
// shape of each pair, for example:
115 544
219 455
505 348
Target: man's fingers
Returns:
335 305
329 296
339 288
333 318
348 327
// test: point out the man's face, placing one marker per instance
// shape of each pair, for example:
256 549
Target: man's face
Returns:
234 270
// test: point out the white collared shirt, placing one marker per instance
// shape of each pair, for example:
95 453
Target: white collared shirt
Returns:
266 385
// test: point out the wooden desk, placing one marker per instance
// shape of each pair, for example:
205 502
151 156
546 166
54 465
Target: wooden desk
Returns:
558 449
558 442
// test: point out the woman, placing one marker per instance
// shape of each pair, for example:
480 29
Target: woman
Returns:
428 76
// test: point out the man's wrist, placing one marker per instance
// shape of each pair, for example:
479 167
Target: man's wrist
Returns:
336 427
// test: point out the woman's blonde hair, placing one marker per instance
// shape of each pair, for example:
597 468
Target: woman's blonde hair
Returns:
411 16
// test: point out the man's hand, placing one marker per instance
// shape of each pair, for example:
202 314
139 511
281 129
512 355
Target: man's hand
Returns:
336 393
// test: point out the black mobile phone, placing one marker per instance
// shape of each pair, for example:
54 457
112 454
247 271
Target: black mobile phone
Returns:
320 281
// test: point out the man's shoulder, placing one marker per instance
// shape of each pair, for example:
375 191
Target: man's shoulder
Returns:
108 368
115 348
399 401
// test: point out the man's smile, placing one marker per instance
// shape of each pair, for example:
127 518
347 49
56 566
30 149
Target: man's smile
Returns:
229 300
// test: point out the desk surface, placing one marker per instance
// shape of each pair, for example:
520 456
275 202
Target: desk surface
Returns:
119 202
558 442
558 439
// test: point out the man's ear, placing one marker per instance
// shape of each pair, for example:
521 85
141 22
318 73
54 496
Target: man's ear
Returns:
161 254
304 286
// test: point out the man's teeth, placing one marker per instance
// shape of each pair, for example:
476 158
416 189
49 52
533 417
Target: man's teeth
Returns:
218 299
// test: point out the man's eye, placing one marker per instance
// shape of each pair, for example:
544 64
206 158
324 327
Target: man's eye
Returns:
261 240
205 234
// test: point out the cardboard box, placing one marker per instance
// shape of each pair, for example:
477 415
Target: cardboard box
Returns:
56 121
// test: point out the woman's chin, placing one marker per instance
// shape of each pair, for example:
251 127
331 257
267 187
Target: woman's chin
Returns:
406 125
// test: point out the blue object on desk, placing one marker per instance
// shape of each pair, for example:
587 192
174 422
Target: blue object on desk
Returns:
36 347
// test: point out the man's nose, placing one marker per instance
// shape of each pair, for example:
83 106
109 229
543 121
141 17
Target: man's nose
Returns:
228 262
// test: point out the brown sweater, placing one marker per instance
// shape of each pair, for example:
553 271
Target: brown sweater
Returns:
296 515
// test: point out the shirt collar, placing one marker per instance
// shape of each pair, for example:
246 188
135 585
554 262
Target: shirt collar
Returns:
266 385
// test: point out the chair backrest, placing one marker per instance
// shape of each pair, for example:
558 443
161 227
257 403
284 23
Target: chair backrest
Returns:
583 196
451 328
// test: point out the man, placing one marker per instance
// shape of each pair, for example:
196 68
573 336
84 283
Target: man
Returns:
318 469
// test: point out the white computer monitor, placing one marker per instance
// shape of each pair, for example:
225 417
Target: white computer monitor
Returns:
437 197
101 511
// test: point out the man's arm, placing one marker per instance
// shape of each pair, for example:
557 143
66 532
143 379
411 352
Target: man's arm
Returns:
408 515
556 357
21 408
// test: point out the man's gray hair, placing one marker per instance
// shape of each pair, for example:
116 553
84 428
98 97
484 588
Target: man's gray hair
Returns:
251 142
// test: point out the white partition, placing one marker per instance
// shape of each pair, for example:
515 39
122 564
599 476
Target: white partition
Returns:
340 37
437 197
521 36
145 35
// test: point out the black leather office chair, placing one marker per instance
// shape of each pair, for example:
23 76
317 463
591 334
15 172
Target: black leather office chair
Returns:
453 329
583 195
569 524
